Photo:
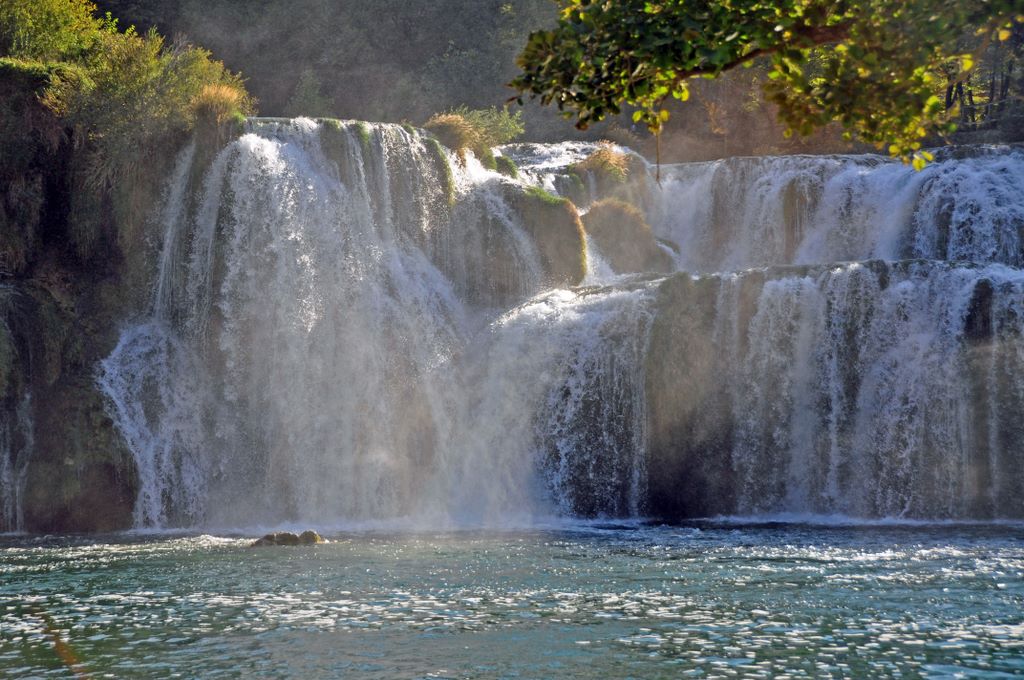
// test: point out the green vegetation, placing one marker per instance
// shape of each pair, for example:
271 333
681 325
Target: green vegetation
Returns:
363 131
454 131
544 196
882 77
444 170
308 98
384 60
506 166
462 129
118 90
606 163
493 125
105 99
48 30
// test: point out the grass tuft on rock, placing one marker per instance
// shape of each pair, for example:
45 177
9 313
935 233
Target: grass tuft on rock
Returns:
476 130
506 166
544 196
606 163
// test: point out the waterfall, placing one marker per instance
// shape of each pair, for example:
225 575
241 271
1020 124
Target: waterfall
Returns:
739 213
854 392
16 444
318 309
350 324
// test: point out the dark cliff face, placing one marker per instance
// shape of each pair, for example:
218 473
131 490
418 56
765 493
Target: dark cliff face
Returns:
75 261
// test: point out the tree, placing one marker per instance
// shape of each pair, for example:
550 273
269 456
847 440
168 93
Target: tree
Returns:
875 66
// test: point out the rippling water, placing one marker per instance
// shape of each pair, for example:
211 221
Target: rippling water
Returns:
709 600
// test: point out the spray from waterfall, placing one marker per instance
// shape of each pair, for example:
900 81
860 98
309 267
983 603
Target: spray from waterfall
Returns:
308 356
350 325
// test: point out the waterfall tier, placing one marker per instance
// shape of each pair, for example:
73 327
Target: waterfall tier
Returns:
869 389
350 325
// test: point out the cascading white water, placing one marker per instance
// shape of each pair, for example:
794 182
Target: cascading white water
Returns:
854 391
16 446
306 354
738 213
334 339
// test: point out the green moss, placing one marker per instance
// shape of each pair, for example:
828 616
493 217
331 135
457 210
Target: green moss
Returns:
238 122
363 131
444 170
31 75
577 181
554 222
544 196
333 140
409 128
486 158
506 166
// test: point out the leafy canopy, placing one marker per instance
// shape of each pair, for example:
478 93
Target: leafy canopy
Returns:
873 65
118 89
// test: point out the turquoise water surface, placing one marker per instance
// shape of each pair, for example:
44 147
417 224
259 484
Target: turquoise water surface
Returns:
709 600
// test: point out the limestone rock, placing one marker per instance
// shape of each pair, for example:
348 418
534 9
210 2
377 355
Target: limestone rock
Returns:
307 537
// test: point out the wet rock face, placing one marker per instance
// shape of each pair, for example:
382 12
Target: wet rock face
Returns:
554 225
624 238
689 423
875 389
308 537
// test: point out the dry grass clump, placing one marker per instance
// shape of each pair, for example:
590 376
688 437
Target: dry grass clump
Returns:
218 102
607 162
456 132
477 130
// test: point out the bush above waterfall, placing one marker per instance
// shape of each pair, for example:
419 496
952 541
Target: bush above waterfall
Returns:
607 162
478 130
133 89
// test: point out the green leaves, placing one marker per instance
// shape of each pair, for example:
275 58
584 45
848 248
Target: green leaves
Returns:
871 65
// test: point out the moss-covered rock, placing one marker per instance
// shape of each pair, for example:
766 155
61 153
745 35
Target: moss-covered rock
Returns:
444 170
506 166
555 226
624 238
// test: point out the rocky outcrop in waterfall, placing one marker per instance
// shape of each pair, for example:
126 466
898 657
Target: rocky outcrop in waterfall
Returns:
315 298
74 262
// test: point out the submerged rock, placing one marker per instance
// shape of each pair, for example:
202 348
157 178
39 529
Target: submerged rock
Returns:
307 537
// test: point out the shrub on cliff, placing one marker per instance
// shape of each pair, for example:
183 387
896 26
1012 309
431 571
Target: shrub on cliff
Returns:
130 88
119 95
48 30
